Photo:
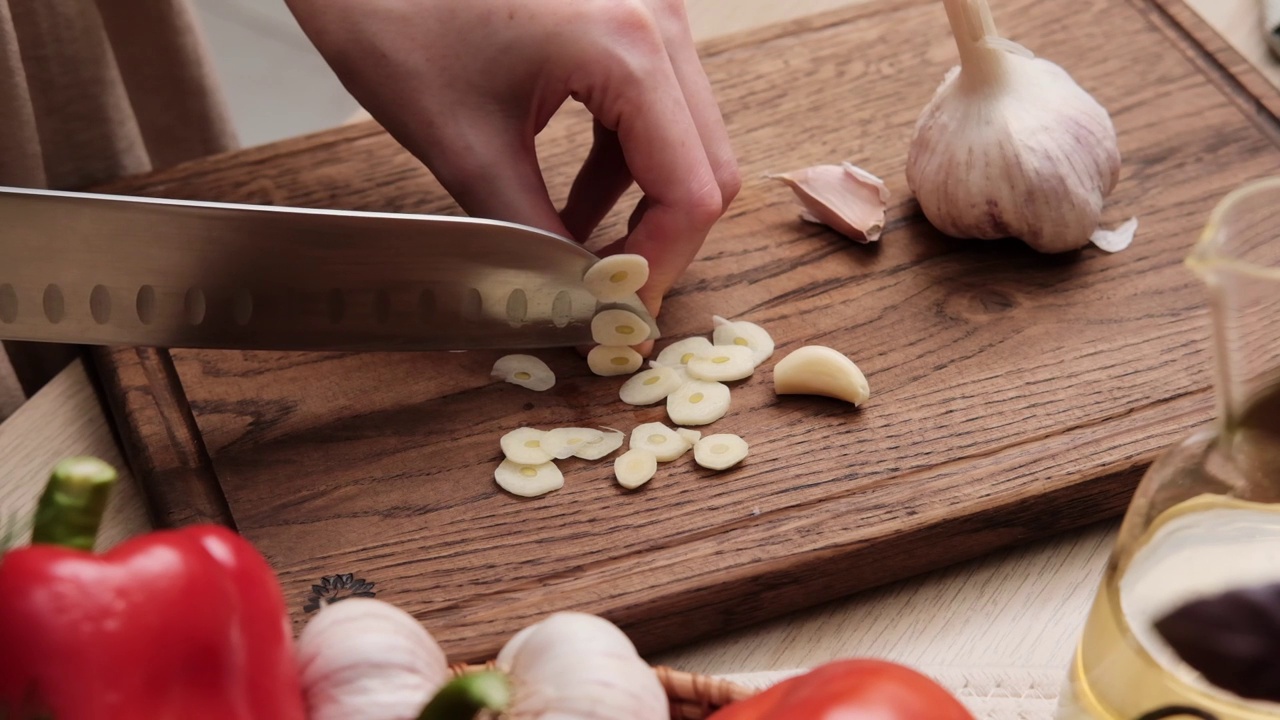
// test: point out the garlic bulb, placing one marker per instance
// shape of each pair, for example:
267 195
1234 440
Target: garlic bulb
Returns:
364 659
1010 145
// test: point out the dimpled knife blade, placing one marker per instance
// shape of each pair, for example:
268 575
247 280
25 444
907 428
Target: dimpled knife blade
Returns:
112 270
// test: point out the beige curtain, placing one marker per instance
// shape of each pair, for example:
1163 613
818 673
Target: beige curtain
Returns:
92 90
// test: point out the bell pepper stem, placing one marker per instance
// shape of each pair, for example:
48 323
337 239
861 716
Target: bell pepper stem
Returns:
70 511
466 695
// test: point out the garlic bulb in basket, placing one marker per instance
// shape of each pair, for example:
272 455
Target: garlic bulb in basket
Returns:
1011 146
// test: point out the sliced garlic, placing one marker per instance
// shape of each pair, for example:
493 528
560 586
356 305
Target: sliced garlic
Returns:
562 443
651 386
524 445
608 360
818 370
609 441
698 402
618 327
741 332
723 363
529 480
843 197
679 353
720 451
690 436
616 277
665 444
634 468
524 370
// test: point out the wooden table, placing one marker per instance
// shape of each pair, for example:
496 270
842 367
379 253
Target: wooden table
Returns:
1004 625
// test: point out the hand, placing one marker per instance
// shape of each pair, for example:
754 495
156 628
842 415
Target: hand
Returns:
466 86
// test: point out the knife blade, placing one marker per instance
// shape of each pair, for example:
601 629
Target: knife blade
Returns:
114 270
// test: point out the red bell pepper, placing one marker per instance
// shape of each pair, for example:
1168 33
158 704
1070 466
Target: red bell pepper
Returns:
851 690
185 624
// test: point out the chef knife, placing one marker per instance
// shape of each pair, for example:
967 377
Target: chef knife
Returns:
113 270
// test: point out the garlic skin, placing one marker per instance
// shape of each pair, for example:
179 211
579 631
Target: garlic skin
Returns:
574 666
843 197
1010 145
364 659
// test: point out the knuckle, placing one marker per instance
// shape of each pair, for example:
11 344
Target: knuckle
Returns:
729 178
705 206
631 29
674 10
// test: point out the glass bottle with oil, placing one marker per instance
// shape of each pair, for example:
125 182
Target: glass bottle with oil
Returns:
1206 517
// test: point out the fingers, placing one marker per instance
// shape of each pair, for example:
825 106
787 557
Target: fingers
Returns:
601 181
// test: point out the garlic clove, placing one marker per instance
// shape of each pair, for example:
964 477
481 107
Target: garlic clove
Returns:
741 332
698 402
619 328
616 277
609 441
723 363
635 467
720 451
524 445
843 197
524 370
665 444
1113 241
651 386
818 370
527 480
562 443
609 360
679 353
1010 145
691 436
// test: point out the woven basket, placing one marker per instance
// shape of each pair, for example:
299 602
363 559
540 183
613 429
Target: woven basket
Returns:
692 697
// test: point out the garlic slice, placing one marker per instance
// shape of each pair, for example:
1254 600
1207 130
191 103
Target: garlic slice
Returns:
609 360
619 327
524 445
723 363
634 468
698 402
562 443
524 370
690 436
665 444
651 386
818 370
1113 241
720 451
609 441
616 277
843 197
741 332
529 480
679 353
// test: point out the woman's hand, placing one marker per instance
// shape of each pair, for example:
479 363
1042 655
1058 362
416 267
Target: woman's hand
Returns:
466 85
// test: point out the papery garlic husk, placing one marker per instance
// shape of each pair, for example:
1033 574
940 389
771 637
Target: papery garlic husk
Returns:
843 197
364 659
574 666
1010 145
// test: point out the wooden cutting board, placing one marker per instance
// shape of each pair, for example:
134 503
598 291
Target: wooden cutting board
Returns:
1014 395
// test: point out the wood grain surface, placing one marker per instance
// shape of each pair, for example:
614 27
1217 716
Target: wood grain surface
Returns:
1014 395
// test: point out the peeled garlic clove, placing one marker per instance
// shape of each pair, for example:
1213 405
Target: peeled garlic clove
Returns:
562 443
679 353
524 445
608 360
635 467
720 451
528 480
1010 145
619 328
665 444
723 363
691 436
741 332
616 277
609 441
817 370
698 402
524 370
651 386
1114 241
843 197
